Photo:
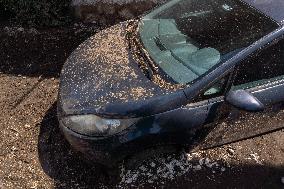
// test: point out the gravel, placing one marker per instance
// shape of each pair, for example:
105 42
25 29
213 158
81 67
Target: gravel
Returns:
34 154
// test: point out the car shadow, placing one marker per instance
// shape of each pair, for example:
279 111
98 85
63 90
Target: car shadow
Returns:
69 170
58 161
42 55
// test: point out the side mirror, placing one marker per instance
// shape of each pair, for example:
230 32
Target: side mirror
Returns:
244 100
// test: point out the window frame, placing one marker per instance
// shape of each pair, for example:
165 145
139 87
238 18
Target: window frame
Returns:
230 66
250 85
226 87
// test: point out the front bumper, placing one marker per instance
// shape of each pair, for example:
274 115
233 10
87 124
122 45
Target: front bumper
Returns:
94 149
113 149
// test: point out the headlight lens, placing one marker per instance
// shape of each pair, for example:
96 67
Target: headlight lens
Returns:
93 125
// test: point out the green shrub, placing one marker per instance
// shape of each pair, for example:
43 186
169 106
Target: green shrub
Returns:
36 12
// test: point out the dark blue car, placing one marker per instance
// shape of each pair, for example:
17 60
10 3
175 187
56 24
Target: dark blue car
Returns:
161 79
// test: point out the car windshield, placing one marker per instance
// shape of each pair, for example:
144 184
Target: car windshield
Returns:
187 38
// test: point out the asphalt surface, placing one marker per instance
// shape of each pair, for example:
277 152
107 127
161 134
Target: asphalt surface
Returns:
34 154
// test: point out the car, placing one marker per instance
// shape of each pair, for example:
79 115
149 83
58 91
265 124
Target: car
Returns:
159 80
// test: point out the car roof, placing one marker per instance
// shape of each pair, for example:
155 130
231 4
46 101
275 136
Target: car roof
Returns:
271 8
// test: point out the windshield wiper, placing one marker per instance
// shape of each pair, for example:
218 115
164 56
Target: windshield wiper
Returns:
160 44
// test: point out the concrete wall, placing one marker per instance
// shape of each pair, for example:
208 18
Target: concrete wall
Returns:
111 11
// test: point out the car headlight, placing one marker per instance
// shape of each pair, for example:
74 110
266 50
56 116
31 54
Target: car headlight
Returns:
93 125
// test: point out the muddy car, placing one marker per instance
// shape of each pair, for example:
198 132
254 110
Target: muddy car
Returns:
160 79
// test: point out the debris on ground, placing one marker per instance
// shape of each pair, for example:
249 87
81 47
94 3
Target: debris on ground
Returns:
167 168
11 31
34 154
255 157
231 151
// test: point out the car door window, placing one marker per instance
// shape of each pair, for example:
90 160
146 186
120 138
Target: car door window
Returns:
217 89
263 67
254 73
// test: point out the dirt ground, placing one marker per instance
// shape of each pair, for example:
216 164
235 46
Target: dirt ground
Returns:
34 154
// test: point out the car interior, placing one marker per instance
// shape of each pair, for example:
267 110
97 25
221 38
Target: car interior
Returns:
179 57
188 37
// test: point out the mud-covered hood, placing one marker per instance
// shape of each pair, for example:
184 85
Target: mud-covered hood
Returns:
102 71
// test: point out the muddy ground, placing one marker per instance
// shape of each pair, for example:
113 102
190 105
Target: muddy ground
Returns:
33 153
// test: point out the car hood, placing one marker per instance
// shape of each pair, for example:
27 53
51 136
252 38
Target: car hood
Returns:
102 71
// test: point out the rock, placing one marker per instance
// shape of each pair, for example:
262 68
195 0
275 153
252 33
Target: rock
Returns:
20 29
197 168
143 168
33 31
201 161
153 164
210 165
230 151
189 156
255 157
9 31
207 161
150 181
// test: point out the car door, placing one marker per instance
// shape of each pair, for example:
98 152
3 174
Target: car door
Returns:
261 74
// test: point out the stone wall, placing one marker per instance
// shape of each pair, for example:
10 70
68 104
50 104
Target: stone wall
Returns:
111 11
